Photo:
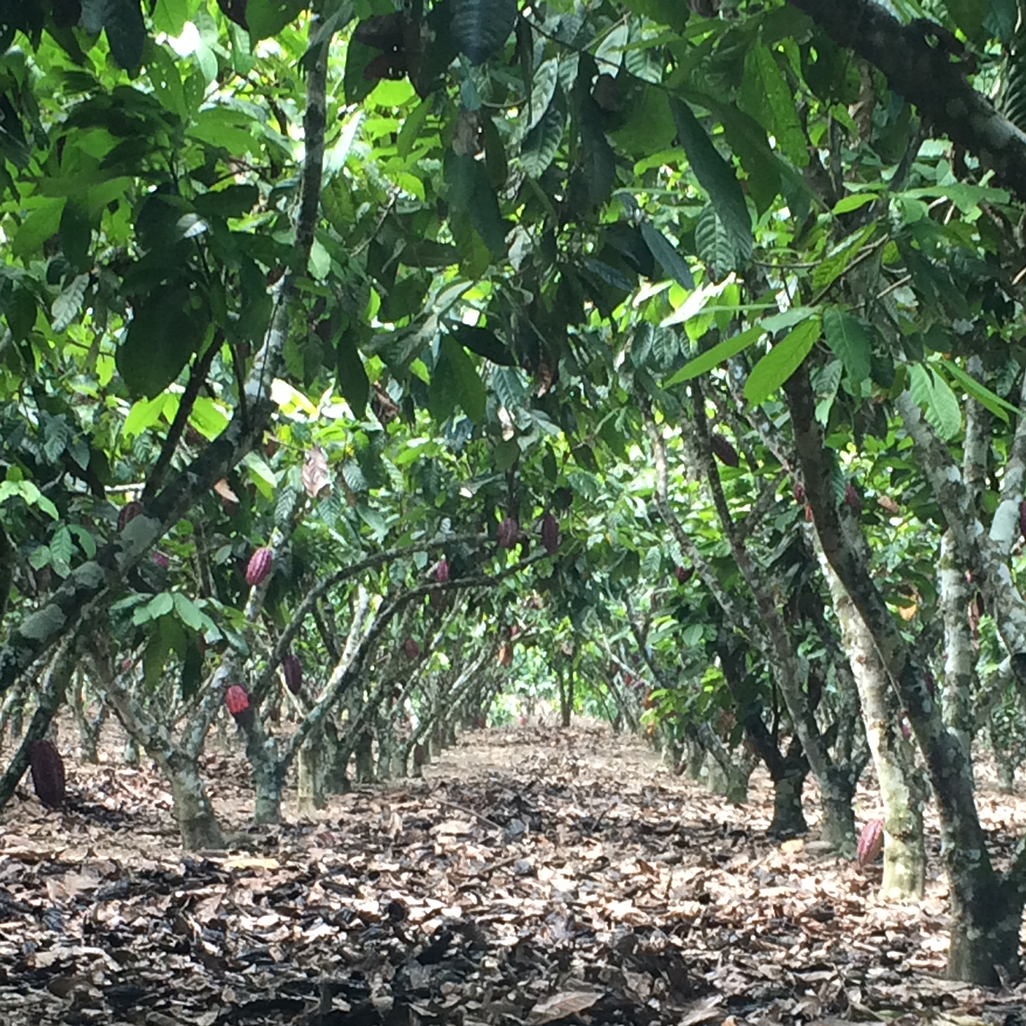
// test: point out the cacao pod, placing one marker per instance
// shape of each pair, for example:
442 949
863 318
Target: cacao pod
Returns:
442 570
160 558
808 514
564 499
259 567
931 684
1022 517
684 574
506 654
47 773
293 671
128 513
509 532
799 493
870 842
238 705
550 533
906 729
851 498
420 756
723 450
411 648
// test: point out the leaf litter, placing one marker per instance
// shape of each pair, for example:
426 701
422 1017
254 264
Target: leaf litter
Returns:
532 876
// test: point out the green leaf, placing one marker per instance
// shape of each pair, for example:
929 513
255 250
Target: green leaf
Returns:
267 18
126 33
983 395
663 250
68 304
768 97
716 176
161 338
598 162
851 341
781 361
483 342
481 27
540 145
712 357
939 404
968 15
352 375
455 380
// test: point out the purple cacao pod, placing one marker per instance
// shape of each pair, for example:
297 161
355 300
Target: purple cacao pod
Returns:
550 533
851 498
128 513
259 567
799 493
442 570
684 574
723 450
47 773
870 842
293 671
411 648
160 559
509 532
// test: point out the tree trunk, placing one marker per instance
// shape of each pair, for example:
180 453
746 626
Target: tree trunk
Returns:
310 770
788 816
193 813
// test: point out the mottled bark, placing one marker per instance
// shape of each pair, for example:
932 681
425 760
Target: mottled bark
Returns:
959 659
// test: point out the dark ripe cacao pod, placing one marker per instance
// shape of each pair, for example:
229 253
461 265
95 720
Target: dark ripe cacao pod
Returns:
509 532
851 498
259 567
160 558
128 513
564 499
799 493
293 671
870 842
236 699
411 648
420 756
684 574
442 570
723 450
1022 517
550 533
931 684
47 773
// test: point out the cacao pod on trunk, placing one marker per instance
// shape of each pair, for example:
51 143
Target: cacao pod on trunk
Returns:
799 493
128 513
870 842
550 533
723 450
509 533
160 559
238 705
293 671
442 570
684 574
47 773
411 648
259 567
851 499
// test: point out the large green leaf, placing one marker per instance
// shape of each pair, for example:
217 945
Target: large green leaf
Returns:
851 341
766 96
716 176
781 361
484 342
352 376
481 27
539 146
455 381
162 336
712 357
665 252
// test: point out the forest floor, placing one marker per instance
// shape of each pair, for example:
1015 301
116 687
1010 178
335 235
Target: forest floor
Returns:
532 876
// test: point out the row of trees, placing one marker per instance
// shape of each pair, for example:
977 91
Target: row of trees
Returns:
502 328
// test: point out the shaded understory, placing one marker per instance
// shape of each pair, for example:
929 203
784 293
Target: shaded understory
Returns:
534 876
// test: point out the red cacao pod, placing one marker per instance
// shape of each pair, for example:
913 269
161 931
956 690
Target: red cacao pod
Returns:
411 648
550 533
870 842
442 570
723 450
238 704
293 671
851 498
684 574
160 558
47 773
808 514
128 513
259 567
799 493
509 532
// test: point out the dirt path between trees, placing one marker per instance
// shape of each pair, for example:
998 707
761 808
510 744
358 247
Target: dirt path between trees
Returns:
533 876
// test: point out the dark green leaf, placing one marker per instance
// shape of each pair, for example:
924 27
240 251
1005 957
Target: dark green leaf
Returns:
664 252
483 342
352 376
851 342
481 27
